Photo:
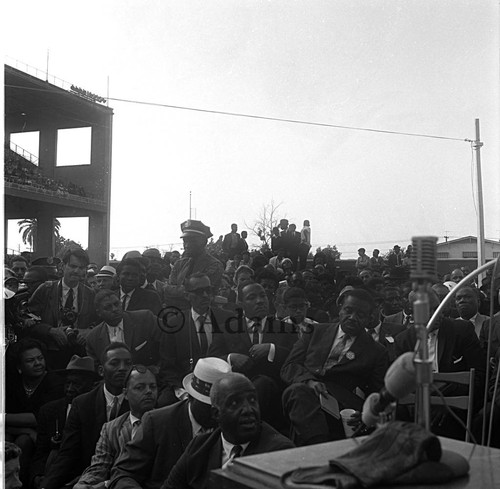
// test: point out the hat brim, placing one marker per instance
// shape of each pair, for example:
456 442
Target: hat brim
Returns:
88 373
186 382
193 232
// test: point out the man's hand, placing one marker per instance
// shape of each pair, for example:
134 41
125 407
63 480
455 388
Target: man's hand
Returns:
257 352
80 340
59 336
317 387
240 363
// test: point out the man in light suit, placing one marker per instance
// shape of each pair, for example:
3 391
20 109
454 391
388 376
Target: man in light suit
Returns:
185 340
240 433
336 360
141 392
87 415
137 329
66 309
166 432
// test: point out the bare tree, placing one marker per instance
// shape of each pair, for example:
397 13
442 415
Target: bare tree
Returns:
265 222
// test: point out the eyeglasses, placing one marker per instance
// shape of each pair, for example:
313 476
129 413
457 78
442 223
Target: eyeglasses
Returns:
138 368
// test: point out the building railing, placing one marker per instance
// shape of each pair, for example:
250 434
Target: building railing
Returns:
54 80
38 73
53 193
24 153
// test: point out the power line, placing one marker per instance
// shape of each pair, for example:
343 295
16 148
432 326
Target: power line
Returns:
268 118
292 121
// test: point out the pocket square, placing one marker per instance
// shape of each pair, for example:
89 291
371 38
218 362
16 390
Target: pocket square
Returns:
458 360
138 347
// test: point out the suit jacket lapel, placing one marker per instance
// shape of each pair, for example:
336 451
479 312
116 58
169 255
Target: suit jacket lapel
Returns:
184 428
56 300
326 343
128 331
100 407
80 299
195 342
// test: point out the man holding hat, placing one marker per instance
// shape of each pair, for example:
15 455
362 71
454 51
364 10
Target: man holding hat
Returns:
80 376
106 277
195 259
166 432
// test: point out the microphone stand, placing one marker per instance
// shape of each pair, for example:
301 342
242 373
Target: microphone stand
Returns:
423 364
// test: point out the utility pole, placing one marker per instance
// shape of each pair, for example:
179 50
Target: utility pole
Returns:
477 144
190 204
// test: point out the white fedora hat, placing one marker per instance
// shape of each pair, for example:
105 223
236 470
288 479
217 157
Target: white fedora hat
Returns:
106 271
206 372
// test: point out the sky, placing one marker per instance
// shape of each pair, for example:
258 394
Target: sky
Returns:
420 67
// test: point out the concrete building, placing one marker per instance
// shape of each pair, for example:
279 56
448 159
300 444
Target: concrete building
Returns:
462 252
37 187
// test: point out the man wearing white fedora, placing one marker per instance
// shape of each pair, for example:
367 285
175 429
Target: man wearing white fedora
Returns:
240 433
106 277
165 433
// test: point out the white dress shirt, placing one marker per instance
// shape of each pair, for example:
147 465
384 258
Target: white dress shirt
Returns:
116 333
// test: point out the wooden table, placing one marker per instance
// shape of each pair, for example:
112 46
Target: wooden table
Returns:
265 471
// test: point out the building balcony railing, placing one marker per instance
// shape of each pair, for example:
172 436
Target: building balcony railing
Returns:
9 183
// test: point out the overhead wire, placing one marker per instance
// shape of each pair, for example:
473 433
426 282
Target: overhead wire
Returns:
267 118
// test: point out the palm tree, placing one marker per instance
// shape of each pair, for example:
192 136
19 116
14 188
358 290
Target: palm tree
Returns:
28 229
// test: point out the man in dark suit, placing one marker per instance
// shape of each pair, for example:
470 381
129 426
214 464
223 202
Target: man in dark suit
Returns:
141 391
256 345
139 330
80 378
453 347
336 360
166 432
187 336
383 331
66 309
231 244
132 297
87 415
240 433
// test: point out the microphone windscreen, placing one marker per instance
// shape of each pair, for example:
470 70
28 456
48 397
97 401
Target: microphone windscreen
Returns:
400 377
423 259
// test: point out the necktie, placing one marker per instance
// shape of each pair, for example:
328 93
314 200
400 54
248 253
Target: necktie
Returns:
236 452
202 335
135 427
255 333
69 300
114 409
150 286
373 334
337 353
124 302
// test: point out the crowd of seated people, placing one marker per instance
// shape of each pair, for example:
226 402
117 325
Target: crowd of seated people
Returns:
19 170
137 374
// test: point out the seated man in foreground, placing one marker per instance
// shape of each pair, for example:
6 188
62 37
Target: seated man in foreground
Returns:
336 359
240 433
